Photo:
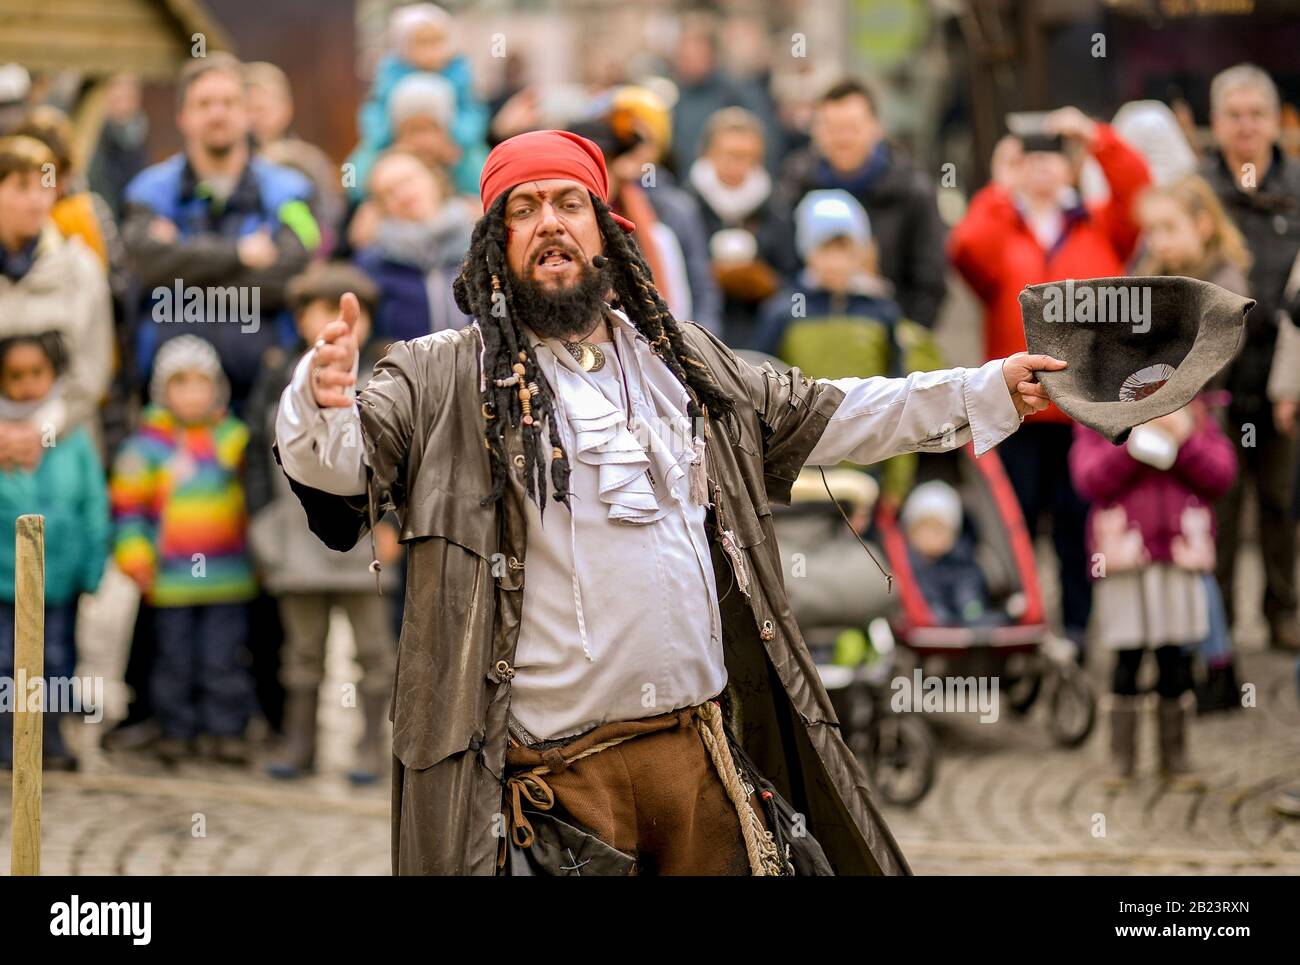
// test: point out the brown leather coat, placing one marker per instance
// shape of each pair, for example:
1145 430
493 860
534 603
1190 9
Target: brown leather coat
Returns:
423 429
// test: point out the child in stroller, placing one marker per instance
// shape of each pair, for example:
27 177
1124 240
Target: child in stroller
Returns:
943 560
968 590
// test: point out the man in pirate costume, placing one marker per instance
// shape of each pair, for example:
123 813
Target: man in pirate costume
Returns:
621 688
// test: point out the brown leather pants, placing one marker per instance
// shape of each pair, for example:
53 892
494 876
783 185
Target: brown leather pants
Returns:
655 795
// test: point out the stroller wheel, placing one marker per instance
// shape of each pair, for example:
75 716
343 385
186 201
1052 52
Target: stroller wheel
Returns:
1072 706
1022 680
901 756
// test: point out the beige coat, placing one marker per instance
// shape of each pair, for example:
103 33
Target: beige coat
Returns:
66 290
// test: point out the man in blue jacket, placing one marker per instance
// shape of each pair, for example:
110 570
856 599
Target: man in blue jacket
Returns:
215 233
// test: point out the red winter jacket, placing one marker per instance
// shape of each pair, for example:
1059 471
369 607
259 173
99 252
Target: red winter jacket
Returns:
998 255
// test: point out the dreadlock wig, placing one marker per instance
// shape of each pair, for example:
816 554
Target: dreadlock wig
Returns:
483 289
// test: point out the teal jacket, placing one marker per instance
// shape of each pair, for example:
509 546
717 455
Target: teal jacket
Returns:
68 489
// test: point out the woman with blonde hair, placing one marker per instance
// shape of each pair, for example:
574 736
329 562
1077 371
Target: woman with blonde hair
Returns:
1186 232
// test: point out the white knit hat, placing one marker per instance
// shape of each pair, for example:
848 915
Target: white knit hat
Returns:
823 215
422 95
933 500
187 353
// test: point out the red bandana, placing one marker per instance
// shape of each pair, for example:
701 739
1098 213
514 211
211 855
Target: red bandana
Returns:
545 154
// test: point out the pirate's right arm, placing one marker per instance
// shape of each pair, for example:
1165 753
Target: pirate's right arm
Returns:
347 465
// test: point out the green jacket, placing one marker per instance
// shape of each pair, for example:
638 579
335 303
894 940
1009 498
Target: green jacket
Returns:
68 489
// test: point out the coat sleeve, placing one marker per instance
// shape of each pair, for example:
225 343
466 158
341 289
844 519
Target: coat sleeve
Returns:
1284 376
202 260
368 443
1207 462
706 296
792 411
975 245
89 335
133 487
1127 175
1099 469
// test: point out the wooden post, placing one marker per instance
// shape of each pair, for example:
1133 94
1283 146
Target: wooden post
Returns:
29 667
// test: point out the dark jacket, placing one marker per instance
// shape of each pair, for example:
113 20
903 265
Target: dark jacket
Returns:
408 308
422 422
205 254
905 225
770 225
954 587
414 265
1270 220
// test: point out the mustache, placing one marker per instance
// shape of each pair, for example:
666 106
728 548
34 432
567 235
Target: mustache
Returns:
569 250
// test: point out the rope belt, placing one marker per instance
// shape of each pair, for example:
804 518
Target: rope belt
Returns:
529 787
764 859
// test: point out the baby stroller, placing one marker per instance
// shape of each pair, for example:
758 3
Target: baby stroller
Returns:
842 605
1029 660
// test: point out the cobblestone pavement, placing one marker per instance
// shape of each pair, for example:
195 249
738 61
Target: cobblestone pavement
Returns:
126 813
1006 801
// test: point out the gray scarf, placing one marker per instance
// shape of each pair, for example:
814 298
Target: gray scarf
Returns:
426 245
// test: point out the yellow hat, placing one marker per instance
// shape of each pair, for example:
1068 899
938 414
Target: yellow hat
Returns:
640 110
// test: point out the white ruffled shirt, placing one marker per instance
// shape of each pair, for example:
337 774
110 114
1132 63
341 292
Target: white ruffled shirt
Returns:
585 656
620 615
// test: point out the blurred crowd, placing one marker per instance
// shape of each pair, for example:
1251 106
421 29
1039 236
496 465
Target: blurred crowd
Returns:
150 315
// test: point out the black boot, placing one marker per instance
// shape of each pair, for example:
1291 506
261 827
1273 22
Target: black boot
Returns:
298 754
1219 690
370 759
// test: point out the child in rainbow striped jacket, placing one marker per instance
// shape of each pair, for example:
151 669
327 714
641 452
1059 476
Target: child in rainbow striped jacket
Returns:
178 507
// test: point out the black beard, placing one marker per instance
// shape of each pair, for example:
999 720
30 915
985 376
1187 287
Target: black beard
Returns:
567 312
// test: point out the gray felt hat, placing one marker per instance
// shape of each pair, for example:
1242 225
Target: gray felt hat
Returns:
1138 347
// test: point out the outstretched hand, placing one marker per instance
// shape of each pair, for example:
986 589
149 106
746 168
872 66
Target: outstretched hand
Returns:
336 353
1026 391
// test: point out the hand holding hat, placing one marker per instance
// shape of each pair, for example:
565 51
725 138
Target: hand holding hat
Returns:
1022 381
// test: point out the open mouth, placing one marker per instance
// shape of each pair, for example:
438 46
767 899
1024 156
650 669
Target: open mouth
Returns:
554 259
